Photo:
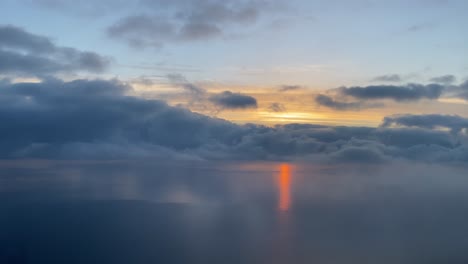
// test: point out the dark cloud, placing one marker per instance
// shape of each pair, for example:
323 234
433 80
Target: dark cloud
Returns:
17 38
286 88
24 53
453 122
410 92
174 21
388 78
230 100
329 102
86 119
94 117
444 79
277 107
441 86
400 93
407 138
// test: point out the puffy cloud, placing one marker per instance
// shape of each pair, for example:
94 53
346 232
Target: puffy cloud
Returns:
410 92
230 100
94 114
444 79
99 119
24 53
388 78
184 20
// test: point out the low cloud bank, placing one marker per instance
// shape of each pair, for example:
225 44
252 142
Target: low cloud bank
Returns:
85 119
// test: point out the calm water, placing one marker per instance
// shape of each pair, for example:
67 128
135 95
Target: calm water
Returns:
201 212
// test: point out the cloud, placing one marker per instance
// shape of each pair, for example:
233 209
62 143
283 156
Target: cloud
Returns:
83 8
185 21
277 107
27 54
98 119
329 102
361 97
388 78
195 31
409 92
444 79
453 122
180 81
458 91
230 100
462 90
441 86
143 30
94 116
287 88
14 37
421 27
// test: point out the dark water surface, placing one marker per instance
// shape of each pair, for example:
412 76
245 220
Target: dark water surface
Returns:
201 212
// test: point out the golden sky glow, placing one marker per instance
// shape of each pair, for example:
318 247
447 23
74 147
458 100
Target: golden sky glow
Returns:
299 106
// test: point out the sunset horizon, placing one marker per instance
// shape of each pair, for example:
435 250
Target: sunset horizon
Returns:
233 131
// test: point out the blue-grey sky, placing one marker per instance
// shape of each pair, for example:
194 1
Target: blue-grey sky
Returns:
320 44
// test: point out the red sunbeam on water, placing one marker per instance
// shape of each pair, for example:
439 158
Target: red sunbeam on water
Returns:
284 185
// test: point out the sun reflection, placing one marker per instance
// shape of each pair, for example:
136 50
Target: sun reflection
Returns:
284 185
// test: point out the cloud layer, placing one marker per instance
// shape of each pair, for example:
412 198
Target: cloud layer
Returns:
97 119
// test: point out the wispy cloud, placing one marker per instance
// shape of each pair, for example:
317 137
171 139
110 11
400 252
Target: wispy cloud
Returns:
388 78
187 21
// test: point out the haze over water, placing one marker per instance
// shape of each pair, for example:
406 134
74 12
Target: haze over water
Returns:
231 212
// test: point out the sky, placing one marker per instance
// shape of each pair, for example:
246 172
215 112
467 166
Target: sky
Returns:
357 80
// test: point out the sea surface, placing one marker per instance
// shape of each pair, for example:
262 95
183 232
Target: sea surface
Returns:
147 212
